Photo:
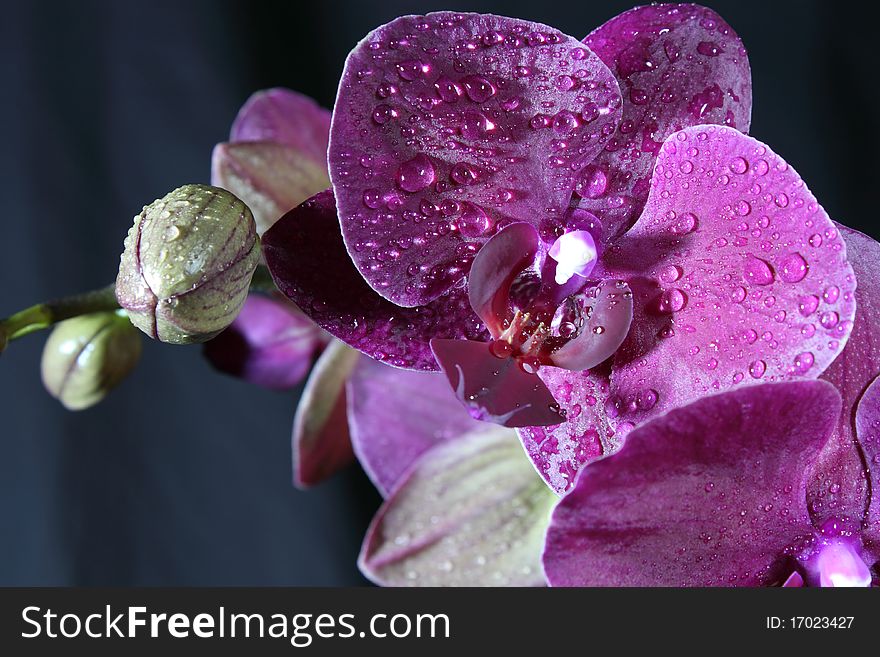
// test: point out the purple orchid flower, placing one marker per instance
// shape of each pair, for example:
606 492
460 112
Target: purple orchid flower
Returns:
716 493
486 199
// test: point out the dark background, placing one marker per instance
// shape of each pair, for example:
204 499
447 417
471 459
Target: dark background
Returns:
182 476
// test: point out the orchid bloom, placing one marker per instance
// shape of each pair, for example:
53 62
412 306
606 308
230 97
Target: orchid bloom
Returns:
514 202
716 493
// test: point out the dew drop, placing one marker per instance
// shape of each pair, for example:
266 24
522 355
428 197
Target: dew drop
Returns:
829 319
803 362
416 174
687 223
807 304
383 114
757 271
478 88
473 221
672 301
739 165
709 48
593 182
670 273
757 369
372 198
793 268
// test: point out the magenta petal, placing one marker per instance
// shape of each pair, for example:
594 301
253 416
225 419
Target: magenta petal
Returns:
560 451
738 276
271 344
396 416
284 117
711 494
504 256
449 125
308 261
605 327
678 65
495 389
839 488
795 580
868 430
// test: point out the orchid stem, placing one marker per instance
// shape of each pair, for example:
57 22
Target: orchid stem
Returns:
45 315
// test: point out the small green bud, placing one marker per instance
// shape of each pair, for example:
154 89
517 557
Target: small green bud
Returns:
85 357
187 265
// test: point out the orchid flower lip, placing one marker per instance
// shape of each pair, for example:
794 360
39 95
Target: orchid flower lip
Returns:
839 565
575 253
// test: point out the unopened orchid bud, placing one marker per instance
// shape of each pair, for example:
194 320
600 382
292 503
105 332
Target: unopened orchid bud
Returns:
87 356
187 264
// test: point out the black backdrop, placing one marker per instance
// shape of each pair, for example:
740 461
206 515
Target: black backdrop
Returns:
182 476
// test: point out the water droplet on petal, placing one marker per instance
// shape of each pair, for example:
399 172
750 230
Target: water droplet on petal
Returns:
416 174
757 369
793 268
687 223
473 221
757 272
670 273
803 362
672 301
739 165
829 319
807 304
478 88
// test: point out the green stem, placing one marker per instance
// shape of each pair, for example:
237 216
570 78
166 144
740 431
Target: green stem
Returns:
44 315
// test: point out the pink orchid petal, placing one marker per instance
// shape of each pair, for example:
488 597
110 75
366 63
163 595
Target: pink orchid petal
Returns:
738 275
271 178
839 488
285 117
604 330
560 451
795 580
710 494
397 415
678 65
271 344
504 256
495 389
470 512
308 261
450 125
868 430
321 443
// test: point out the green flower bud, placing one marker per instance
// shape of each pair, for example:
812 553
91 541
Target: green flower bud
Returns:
187 264
85 357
